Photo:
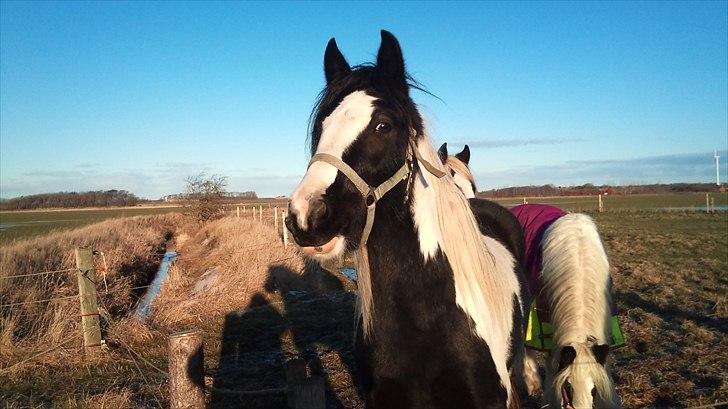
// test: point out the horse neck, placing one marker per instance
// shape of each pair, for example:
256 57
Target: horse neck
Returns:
394 248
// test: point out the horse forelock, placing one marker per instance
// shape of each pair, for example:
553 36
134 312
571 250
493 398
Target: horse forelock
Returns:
584 368
365 77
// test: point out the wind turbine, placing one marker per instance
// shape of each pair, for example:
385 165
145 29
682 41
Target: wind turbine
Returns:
717 167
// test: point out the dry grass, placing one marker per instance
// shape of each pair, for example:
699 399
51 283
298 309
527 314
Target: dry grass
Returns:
221 268
672 291
132 247
260 305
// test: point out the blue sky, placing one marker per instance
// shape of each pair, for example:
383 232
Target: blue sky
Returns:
138 96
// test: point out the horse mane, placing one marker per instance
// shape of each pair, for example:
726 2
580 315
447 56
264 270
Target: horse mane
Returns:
482 270
575 276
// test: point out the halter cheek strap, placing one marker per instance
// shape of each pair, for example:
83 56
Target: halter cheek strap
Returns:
371 194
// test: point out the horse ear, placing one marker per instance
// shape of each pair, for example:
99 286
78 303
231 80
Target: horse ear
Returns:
442 152
335 65
389 58
464 156
566 357
600 353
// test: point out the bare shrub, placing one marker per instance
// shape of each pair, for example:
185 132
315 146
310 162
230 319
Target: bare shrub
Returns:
205 195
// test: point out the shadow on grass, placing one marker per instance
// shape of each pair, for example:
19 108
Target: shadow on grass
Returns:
257 342
671 313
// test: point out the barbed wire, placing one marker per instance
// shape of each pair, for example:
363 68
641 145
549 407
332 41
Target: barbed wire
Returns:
38 301
39 273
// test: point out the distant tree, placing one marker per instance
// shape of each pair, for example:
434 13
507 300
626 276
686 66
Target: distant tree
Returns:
97 198
205 195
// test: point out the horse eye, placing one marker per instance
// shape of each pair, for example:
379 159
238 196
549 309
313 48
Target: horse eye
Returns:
383 127
594 392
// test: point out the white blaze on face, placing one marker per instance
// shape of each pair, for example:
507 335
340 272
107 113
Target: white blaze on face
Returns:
339 131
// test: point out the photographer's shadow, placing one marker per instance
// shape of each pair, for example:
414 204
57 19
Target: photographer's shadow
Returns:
313 321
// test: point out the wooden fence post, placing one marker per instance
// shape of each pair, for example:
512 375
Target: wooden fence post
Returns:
186 366
237 209
707 203
260 212
243 209
285 231
712 204
253 212
275 218
524 200
601 206
90 322
303 392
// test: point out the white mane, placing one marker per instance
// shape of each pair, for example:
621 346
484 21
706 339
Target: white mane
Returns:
482 268
575 275
575 263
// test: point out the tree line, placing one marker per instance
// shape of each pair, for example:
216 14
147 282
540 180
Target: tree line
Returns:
590 189
98 198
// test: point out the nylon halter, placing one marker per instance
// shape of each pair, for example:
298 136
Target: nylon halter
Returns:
372 194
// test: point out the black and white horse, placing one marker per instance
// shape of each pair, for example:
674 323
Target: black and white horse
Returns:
574 277
442 306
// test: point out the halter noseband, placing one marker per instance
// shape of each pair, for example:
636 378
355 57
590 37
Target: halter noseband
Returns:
371 194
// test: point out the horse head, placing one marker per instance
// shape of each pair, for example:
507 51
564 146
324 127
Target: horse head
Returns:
363 127
459 169
581 379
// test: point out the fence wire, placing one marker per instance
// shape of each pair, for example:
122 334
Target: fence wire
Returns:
39 273
38 301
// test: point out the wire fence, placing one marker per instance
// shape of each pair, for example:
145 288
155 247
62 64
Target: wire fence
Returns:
273 218
38 273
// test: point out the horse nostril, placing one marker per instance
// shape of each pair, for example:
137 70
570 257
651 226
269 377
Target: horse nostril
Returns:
318 211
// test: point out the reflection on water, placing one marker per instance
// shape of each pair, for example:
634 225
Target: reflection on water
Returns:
349 272
144 306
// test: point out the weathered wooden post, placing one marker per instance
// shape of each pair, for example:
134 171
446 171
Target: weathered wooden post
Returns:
243 209
253 212
712 204
260 212
186 366
275 218
285 231
524 200
707 203
237 209
601 206
90 322
303 392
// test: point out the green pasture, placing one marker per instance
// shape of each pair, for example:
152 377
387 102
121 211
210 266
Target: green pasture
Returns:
645 202
24 224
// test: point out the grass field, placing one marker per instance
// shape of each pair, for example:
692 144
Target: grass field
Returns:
669 270
16 225
25 224
656 202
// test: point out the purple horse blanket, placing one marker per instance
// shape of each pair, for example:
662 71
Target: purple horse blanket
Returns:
535 219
